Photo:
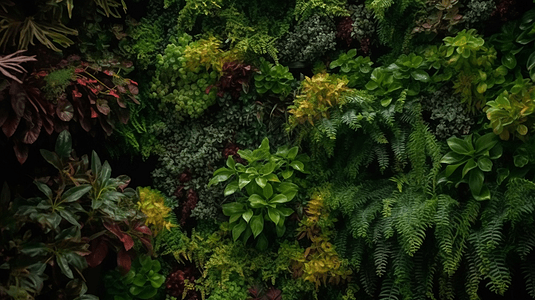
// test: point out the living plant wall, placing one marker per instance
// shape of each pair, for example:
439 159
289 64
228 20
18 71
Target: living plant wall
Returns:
284 149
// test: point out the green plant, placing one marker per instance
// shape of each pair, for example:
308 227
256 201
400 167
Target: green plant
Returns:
48 227
273 78
356 69
316 96
509 114
268 182
475 153
141 282
184 76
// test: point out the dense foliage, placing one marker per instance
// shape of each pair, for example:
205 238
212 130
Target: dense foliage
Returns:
304 149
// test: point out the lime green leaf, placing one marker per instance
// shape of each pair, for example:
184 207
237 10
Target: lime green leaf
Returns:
420 75
261 181
257 225
274 215
257 201
231 163
297 165
247 215
231 188
238 229
268 191
279 198
287 173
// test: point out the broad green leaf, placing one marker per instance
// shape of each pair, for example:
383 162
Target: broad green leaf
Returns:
95 163
261 181
484 164
285 211
459 146
231 188
386 102
475 181
274 215
293 153
256 224
233 208
105 174
157 280
34 249
234 217
148 292
287 173
280 198
272 177
509 61
420 75
289 189
268 168
44 188
453 158
496 152
64 144
52 158
485 143
280 228
238 229
520 160
64 266
503 173
268 191
243 180
522 129
262 243
531 62
223 171
451 168
470 164
257 201
70 217
297 165
247 215
483 195
231 163
75 193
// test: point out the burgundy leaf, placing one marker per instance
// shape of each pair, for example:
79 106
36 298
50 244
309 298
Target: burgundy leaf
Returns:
33 130
99 251
274 294
18 98
103 107
127 240
10 125
48 124
147 244
65 111
93 114
124 262
143 229
123 115
121 89
133 89
21 151
3 114
106 126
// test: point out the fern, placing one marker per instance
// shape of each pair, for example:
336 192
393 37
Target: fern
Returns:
304 9
528 269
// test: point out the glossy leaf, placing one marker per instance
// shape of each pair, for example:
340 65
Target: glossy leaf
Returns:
64 266
475 181
268 191
257 201
470 164
75 193
257 225
44 188
238 229
459 146
52 158
484 164
247 215
64 144
230 209
231 188
274 215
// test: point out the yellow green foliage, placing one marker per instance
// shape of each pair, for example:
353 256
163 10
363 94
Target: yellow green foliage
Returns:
317 95
152 204
509 112
320 262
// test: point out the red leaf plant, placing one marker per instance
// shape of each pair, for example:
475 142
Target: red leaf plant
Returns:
176 285
93 98
259 293
235 79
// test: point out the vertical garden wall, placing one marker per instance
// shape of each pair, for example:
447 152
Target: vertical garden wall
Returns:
296 150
